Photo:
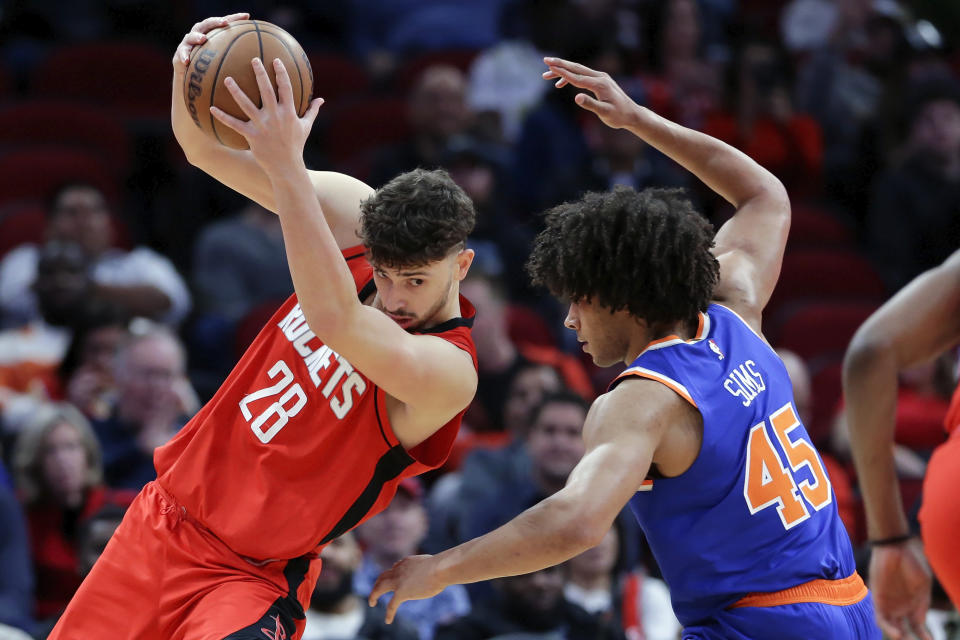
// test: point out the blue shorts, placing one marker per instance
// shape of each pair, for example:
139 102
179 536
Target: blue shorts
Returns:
803 621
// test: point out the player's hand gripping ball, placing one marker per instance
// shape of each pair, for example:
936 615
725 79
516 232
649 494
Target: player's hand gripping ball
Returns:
227 52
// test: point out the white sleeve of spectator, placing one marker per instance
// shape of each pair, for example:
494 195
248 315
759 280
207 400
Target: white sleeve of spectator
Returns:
143 266
659 621
18 270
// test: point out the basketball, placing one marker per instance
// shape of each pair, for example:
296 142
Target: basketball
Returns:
228 52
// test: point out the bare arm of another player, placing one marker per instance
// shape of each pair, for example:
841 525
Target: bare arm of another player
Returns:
425 373
916 325
622 432
339 194
750 245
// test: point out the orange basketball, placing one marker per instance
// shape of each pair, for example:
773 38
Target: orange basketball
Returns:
228 52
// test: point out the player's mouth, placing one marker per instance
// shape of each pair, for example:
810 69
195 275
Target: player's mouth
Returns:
403 321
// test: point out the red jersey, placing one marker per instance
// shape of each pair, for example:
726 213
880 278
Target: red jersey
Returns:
296 446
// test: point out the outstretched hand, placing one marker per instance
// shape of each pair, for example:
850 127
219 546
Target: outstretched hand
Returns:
900 581
609 101
275 133
413 578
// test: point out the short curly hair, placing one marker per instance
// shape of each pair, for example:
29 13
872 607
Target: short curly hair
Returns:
415 219
647 252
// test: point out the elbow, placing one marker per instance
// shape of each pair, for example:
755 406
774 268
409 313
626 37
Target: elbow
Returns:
864 355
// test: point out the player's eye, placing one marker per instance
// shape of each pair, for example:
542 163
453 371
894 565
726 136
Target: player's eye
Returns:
416 282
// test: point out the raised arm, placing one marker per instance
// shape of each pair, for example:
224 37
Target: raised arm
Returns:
622 432
750 245
339 194
432 378
916 325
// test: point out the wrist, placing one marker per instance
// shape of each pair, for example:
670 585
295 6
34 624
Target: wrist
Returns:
891 541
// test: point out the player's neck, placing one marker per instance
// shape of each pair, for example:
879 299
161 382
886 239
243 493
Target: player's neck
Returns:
646 335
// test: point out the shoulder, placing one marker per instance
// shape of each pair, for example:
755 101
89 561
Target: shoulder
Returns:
637 405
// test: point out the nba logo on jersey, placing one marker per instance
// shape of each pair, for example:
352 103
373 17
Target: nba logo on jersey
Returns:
715 348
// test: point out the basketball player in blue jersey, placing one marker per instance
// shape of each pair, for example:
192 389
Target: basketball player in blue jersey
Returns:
699 434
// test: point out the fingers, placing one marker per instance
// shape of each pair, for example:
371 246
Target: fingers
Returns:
284 89
233 17
236 124
918 621
268 97
572 67
189 41
591 104
249 109
591 82
312 112
392 607
890 628
380 587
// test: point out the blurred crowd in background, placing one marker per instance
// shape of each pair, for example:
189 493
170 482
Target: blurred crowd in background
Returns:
130 282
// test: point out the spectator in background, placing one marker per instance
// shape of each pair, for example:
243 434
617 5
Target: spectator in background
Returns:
925 182
58 471
336 612
437 110
95 533
239 263
153 400
600 584
500 359
684 86
530 606
239 266
16 576
803 400
555 446
455 495
87 370
760 119
384 31
141 281
393 534
30 353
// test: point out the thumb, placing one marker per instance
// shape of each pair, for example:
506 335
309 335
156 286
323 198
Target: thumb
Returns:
312 111
590 103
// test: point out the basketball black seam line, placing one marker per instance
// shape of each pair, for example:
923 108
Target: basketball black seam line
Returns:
260 44
297 66
213 87
294 58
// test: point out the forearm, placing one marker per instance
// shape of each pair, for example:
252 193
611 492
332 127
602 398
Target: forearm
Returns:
544 535
870 386
726 170
191 139
324 285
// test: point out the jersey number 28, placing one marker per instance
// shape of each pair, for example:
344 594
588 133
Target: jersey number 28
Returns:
281 410
769 482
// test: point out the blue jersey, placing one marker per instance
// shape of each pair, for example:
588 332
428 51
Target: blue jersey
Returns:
756 511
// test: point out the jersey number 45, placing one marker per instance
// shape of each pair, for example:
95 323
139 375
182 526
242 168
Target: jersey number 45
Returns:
769 482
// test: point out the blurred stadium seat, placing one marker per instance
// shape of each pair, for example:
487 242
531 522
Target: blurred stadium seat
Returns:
336 77
41 123
130 77
356 127
21 222
33 174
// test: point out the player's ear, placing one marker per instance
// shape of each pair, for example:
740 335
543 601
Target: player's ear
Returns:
464 259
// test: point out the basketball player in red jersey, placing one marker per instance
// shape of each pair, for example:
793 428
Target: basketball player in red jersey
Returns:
917 324
358 381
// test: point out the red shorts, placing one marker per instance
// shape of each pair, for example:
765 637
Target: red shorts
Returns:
164 576
940 515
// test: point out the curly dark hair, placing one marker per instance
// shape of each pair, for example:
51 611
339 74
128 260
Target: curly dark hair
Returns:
647 252
416 218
